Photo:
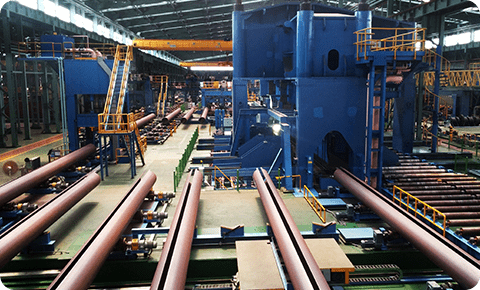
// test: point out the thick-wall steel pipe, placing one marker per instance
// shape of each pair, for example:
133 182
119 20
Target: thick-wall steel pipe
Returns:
28 181
171 272
83 267
466 222
435 203
462 215
468 231
411 167
168 118
445 197
203 118
301 266
459 208
455 262
28 229
188 115
444 191
443 179
145 120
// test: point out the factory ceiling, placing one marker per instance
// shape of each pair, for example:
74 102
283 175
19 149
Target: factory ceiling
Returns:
212 19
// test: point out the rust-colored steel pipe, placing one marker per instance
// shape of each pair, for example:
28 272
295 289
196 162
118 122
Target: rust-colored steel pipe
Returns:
410 167
444 191
466 222
462 215
454 261
29 228
168 118
301 266
145 120
442 179
28 181
435 203
188 115
468 231
83 267
445 197
407 171
459 208
171 272
203 118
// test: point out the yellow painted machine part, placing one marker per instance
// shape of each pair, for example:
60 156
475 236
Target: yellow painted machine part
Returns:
183 44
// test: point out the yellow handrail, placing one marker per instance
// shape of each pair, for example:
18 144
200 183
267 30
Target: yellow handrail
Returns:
293 176
417 201
219 181
315 204
404 39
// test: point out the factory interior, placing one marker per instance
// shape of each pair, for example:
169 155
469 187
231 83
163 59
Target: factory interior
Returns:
240 145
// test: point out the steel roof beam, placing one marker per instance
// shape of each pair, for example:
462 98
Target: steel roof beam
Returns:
434 6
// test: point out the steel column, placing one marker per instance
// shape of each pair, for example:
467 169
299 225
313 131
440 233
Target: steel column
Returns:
25 102
172 267
82 269
456 263
301 266
22 184
9 65
56 101
28 229
45 101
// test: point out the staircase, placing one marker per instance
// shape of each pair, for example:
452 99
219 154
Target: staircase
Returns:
117 88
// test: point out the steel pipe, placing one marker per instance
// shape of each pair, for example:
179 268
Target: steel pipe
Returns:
188 115
468 231
83 267
171 272
20 185
454 261
466 222
29 228
167 119
435 203
407 171
459 208
203 118
410 167
462 215
301 266
437 179
445 197
145 120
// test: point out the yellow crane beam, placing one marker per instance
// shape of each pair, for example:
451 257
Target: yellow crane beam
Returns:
206 63
183 44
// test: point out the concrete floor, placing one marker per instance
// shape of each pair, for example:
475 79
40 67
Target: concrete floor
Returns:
217 207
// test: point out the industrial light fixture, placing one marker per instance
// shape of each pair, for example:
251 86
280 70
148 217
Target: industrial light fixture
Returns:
276 128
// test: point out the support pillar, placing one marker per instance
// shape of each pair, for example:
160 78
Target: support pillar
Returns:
45 101
56 101
25 102
35 102
9 65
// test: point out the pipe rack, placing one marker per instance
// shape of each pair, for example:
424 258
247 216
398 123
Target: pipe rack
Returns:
171 272
28 181
28 229
454 261
301 266
83 267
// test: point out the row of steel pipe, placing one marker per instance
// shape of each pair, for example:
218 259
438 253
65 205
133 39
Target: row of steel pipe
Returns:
29 228
203 118
168 118
454 261
83 267
171 272
188 115
145 120
22 184
301 266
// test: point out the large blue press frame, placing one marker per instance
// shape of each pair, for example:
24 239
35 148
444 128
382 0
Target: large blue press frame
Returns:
322 91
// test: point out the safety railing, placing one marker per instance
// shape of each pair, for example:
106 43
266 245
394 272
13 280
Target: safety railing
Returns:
221 178
474 65
315 204
428 137
279 179
182 163
67 50
161 81
125 124
406 199
455 78
429 98
431 58
211 85
401 39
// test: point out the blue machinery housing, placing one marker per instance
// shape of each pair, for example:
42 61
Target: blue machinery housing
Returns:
311 72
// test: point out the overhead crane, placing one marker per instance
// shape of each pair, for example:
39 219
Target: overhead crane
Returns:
183 44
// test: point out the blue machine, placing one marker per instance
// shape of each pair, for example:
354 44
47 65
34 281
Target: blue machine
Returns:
324 93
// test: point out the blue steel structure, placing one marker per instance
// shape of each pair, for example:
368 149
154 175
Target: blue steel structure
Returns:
327 97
